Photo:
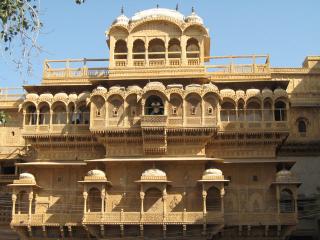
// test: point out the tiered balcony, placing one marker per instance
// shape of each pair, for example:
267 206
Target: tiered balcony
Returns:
255 120
55 124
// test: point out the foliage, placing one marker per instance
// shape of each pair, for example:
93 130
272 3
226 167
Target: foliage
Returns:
3 117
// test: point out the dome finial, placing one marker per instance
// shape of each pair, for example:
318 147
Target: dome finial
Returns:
157 5
192 9
177 7
122 10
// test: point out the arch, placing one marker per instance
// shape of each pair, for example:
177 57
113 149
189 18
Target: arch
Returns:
210 104
154 105
213 199
302 126
120 49
156 48
253 110
31 114
267 109
175 105
94 200
22 203
241 111
98 106
59 113
193 48
44 113
228 111
115 106
193 105
286 201
174 48
153 200
82 113
280 112
134 108
138 49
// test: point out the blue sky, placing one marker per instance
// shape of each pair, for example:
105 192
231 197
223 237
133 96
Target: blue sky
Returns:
287 30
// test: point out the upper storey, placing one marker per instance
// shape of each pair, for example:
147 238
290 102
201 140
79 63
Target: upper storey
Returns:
157 43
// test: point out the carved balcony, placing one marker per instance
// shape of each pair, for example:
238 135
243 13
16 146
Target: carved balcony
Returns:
154 121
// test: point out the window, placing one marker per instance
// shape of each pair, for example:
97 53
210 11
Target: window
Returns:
193 110
154 106
174 110
115 112
255 178
280 111
98 113
210 110
302 127
286 201
133 111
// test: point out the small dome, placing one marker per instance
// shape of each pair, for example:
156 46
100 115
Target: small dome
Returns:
96 173
194 18
101 88
26 176
253 92
266 92
45 97
61 96
212 172
134 88
73 97
83 96
192 86
227 93
240 94
155 86
116 87
153 173
175 86
121 20
32 96
284 176
279 92
158 12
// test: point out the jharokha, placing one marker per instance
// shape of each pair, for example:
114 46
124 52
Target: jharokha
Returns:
161 140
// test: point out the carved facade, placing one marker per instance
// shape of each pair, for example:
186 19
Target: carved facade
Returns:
164 142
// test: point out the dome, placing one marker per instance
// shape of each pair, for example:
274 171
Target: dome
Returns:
96 173
212 174
175 86
266 92
227 93
284 176
253 92
32 96
153 172
155 86
45 97
61 96
121 20
26 176
158 12
101 88
73 97
194 18
116 87
134 88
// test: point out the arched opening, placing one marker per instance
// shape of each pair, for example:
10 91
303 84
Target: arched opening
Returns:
280 113
59 114
228 112
213 200
115 107
193 106
120 50
44 114
83 114
154 106
94 200
241 110
193 49
267 110
286 201
174 49
253 113
138 49
302 127
31 115
22 203
99 110
153 200
175 106
156 49
72 114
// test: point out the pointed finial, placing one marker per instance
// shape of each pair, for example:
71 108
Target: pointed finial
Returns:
192 9
177 7
122 10
157 5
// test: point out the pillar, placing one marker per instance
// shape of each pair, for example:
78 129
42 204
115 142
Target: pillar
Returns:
184 51
164 199
146 45
85 197
141 203
14 200
222 192
204 198
129 56
30 204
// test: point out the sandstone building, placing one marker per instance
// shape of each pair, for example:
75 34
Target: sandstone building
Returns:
163 141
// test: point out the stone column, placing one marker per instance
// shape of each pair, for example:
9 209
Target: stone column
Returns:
14 200
204 198
85 197
184 51
141 205
51 116
102 201
222 192
164 199
30 204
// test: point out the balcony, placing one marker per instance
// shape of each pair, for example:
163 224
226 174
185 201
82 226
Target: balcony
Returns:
255 120
153 121
56 123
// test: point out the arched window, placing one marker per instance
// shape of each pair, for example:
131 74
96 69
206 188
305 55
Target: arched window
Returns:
267 110
193 49
31 115
174 48
153 200
44 114
193 106
280 113
94 200
302 127
241 110
228 112
156 48
175 106
154 106
83 114
120 50
286 201
213 200
138 49
22 203
99 107
253 113
59 113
